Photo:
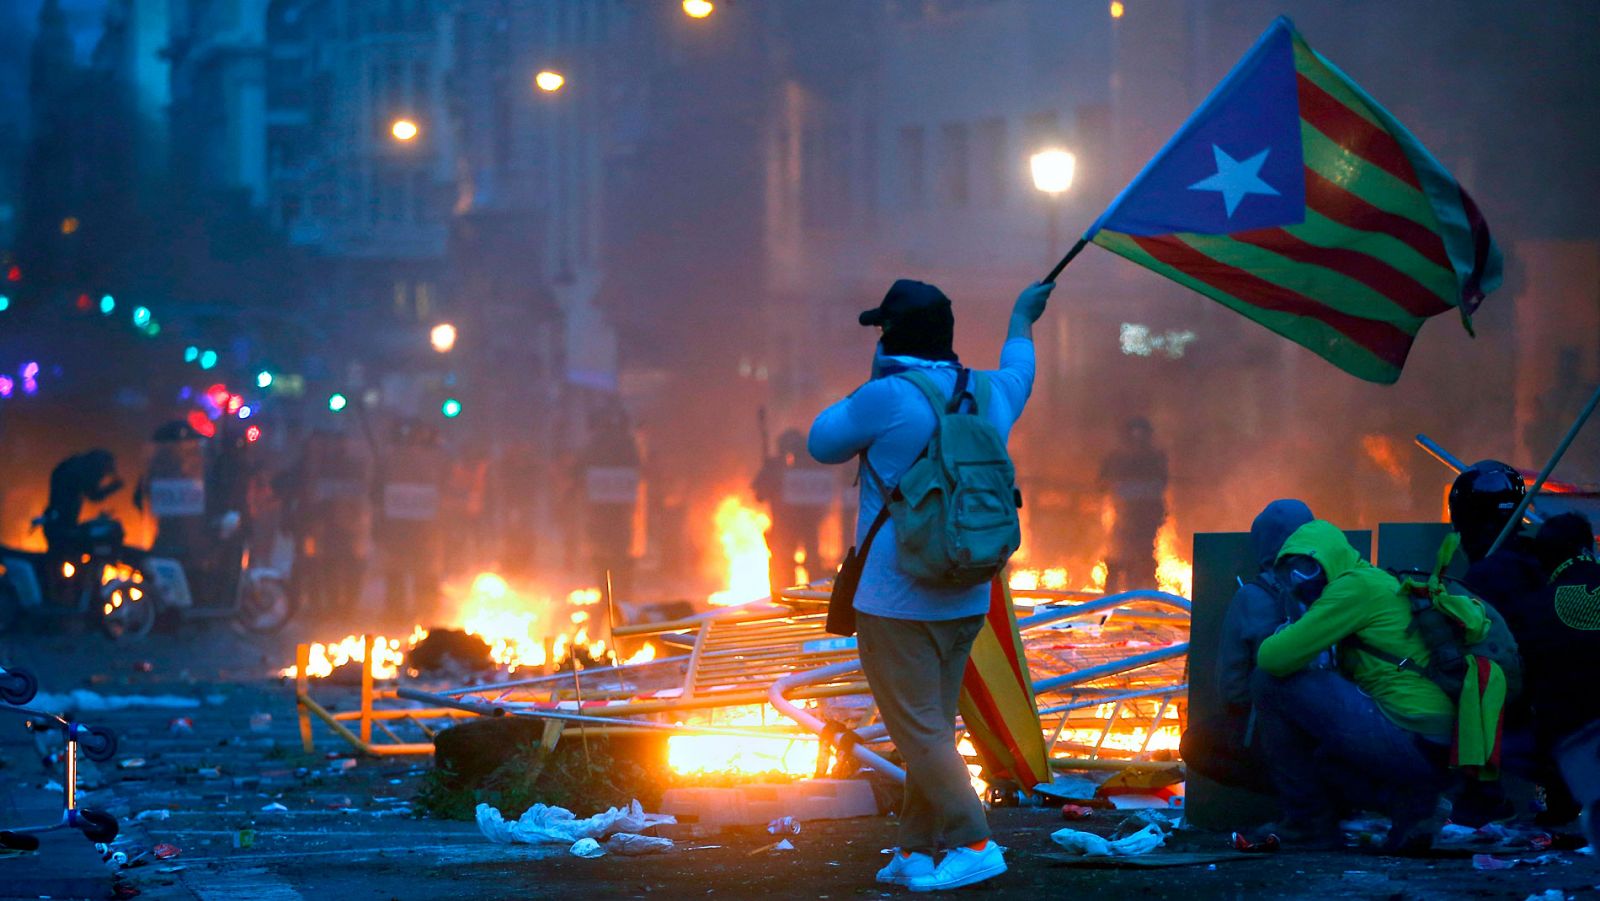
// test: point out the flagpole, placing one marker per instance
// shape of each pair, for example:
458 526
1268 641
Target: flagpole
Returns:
1561 449
1076 248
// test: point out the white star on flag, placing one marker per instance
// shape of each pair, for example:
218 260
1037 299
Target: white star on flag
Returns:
1235 179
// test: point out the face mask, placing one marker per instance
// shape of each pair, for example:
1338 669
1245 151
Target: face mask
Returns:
1304 577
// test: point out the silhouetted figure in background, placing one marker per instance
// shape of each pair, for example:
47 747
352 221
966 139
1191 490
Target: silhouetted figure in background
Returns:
1134 476
174 489
408 506
328 513
611 490
89 476
797 492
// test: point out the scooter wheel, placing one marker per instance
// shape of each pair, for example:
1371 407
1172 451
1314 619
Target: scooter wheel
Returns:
18 686
129 620
97 825
97 743
265 605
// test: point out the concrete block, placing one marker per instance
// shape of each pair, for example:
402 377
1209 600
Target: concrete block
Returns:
759 804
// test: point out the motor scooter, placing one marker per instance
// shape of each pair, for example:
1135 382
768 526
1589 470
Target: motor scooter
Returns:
98 582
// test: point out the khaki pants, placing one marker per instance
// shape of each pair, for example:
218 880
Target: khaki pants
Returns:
914 669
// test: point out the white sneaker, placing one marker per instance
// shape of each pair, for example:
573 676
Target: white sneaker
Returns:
962 866
903 868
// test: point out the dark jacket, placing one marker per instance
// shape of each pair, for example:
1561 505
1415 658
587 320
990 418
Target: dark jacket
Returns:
1558 632
1507 578
1257 608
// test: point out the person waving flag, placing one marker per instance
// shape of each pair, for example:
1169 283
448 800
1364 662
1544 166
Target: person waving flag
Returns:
1293 198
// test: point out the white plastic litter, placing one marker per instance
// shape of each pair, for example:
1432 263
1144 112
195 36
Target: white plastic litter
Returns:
1452 832
587 848
274 807
633 845
1088 844
542 824
146 816
784 845
1549 894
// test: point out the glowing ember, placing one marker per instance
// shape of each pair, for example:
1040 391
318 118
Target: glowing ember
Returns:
387 656
751 755
522 629
1174 574
974 771
741 530
1057 578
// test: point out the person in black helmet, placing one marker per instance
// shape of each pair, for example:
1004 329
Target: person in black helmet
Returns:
1482 500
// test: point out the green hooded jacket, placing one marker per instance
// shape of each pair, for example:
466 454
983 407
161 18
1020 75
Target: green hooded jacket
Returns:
1363 600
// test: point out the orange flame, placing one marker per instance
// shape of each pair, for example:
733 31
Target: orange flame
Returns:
741 530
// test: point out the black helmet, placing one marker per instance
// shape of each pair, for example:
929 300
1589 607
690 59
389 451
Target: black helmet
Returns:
1482 499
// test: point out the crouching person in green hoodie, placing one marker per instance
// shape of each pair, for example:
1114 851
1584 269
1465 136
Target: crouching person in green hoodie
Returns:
1368 732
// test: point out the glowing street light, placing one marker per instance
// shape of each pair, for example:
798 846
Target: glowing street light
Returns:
264 379
1053 170
451 408
442 337
1052 174
404 129
337 402
549 81
698 9
1116 9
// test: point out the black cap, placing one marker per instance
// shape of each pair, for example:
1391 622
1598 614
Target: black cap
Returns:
905 297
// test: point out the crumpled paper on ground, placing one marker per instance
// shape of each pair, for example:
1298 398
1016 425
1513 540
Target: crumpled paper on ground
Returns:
1088 844
541 824
587 848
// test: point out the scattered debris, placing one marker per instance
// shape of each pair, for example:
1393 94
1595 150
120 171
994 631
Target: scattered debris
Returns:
260 722
1076 812
1265 845
165 851
274 807
587 848
130 763
1088 844
181 726
145 816
542 823
632 844
784 824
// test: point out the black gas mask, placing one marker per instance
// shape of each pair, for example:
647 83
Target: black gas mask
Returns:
1303 576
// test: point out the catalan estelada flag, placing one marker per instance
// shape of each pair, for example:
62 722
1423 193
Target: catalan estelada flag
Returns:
1292 197
997 702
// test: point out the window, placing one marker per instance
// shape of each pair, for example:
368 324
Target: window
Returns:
912 164
955 159
994 170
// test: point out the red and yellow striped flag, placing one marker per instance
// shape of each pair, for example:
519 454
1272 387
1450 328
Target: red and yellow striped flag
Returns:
1293 198
997 703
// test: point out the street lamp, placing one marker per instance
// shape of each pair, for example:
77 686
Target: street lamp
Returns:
1052 174
698 9
404 129
442 337
549 81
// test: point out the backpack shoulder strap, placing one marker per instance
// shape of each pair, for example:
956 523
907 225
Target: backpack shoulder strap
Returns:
941 404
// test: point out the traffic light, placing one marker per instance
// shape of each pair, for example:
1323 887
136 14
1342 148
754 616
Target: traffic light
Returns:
337 402
141 316
107 304
451 408
5 303
191 353
208 359
264 379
